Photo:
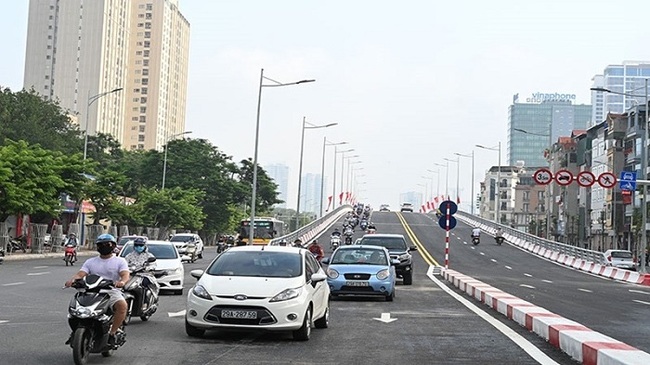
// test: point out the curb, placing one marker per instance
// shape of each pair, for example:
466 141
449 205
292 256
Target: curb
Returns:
581 343
34 256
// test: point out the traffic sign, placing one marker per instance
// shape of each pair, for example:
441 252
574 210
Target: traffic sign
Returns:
628 180
543 176
586 179
442 222
453 208
607 180
563 177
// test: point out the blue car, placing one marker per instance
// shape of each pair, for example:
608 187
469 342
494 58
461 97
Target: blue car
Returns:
361 270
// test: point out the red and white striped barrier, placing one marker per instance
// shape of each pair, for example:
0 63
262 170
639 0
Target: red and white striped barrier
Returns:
581 343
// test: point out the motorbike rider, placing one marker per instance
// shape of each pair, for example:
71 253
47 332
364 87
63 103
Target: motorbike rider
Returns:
498 233
110 267
476 232
140 254
72 240
336 233
317 250
297 242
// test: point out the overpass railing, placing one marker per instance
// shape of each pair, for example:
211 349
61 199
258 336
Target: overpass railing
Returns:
517 236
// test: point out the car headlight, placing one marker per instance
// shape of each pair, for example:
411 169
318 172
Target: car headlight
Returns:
404 256
200 292
178 270
332 274
287 294
383 274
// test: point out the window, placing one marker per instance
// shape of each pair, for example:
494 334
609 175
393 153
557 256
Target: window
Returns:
526 196
143 119
147 25
146 53
143 100
147 34
140 138
135 100
140 25
138 53
145 91
145 72
149 7
145 81
145 63
526 207
147 44
141 129
134 119
143 109
135 109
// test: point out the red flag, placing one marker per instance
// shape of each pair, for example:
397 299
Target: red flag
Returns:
329 202
424 209
428 205
458 200
435 200
341 198
347 196
442 198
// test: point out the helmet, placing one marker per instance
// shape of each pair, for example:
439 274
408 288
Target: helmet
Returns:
139 245
282 242
71 234
105 238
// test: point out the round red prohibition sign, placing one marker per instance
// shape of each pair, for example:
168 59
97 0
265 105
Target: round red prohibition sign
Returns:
607 180
563 177
543 176
586 179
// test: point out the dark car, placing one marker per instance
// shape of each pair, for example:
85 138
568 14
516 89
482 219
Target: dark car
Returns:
398 249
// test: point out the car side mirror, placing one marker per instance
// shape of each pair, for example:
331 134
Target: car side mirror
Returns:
325 261
196 273
318 276
151 259
394 262
413 248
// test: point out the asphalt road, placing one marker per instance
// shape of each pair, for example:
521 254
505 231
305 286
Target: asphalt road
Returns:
431 326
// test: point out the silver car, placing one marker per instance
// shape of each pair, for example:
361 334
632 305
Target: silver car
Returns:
622 259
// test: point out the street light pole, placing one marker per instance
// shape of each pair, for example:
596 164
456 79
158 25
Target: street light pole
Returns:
165 158
446 166
305 125
437 184
251 226
322 172
334 178
91 100
497 219
343 157
472 186
457 161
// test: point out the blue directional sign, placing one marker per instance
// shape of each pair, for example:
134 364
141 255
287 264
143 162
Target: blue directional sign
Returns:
453 208
627 180
442 222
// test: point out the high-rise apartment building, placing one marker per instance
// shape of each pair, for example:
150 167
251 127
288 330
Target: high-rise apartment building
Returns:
310 193
629 78
535 124
79 49
280 175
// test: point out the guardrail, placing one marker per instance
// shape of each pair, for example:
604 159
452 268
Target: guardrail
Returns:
515 235
315 228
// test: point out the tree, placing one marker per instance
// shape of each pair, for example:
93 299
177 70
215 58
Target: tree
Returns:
104 191
31 179
173 208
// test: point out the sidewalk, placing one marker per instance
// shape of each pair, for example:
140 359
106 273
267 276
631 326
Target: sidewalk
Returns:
32 256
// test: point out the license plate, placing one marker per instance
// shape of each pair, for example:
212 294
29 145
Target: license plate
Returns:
356 283
225 313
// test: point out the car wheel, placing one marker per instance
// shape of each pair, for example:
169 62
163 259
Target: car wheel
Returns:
408 277
389 298
201 254
193 331
324 321
303 333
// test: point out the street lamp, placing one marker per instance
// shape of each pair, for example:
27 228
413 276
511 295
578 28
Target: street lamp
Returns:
322 171
305 125
343 158
457 161
91 100
251 226
437 172
334 178
446 166
644 169
472 188
165 158
497 219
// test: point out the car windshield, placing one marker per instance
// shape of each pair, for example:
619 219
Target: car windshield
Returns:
161 252
181 238
391 243
361 256
124 240
621 254
257 263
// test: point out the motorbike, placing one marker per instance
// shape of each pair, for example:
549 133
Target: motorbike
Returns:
90 318
335 242
16 244
348 238
499 240
141 292
476 240
363 225
191 252
70 254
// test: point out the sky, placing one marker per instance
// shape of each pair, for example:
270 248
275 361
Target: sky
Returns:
410 83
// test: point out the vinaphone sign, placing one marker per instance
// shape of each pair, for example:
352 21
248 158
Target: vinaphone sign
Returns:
544 97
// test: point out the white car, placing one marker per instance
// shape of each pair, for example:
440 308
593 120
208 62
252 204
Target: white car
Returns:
181 240
406 207
620 258
274 288
169 271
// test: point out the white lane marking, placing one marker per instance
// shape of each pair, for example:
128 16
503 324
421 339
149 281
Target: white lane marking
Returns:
41 267
527 286
12 284
493 260
524 344
508 267
585 290
464 242
530 276
639 292
482 253
38 273
548 281
640 301
385 317
176 314
1 322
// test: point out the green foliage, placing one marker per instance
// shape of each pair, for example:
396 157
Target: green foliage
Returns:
104 192
173 208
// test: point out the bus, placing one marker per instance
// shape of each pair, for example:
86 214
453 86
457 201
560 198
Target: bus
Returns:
266 228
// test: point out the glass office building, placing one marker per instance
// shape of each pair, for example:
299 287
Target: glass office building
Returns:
535 125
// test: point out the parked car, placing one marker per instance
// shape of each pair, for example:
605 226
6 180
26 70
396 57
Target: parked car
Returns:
169 270
275 288
406 207
399 250
620 258
361 270
182 240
